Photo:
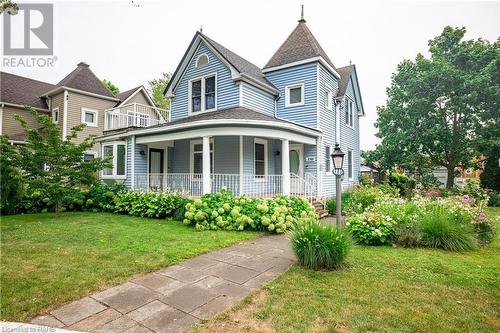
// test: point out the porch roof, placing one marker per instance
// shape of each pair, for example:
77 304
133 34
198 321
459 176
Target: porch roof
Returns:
231 117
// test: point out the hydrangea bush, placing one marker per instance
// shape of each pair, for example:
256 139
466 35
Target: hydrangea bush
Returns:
371 228
224 211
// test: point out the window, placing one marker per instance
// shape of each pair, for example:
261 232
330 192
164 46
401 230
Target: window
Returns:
117 154
294 95
349 164
203 94
89 117
349 118
197 156
138 119
260 158
328 100
328 161
202 60
88 156
55 115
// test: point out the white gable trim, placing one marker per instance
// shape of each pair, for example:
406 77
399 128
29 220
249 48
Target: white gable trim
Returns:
141 88
187 60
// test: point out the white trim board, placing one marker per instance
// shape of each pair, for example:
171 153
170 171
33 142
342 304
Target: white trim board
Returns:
228 131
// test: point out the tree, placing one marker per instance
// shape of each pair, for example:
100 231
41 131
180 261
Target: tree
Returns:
52 165
108 84
156 89
490 177
436 107
9 6
11 184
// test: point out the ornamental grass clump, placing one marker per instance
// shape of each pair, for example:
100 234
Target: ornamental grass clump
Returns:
440 228
319 247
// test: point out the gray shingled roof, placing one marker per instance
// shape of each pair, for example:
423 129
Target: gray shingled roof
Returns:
21 90
345 74
82 78
126 94
242 65
300 45
224 115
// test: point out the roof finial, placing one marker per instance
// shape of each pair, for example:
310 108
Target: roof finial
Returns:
302 15
350 61
201 28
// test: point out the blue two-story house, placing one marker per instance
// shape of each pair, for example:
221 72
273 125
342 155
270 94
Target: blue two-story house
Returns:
257 131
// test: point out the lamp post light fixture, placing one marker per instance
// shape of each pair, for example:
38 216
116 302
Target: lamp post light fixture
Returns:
338 161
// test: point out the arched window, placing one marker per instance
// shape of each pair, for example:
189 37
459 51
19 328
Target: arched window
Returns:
202 60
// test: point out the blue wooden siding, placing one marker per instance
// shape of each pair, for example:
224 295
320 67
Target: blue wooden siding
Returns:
227 91
349 139
327 125
305 114
257 100
141 161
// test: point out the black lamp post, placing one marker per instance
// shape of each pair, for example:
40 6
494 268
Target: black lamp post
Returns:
338 160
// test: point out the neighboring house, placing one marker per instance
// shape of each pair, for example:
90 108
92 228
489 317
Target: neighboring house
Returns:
441 173
78 98
255 131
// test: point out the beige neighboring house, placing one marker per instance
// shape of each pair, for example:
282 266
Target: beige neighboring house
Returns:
78 98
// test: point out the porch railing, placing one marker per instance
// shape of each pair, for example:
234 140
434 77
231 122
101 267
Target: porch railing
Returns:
134 115
191 184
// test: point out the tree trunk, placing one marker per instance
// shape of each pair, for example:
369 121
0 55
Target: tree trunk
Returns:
451 177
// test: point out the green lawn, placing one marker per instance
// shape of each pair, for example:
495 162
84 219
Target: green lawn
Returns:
48 259
383 289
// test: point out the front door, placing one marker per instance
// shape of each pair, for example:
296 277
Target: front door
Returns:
156 157
296 168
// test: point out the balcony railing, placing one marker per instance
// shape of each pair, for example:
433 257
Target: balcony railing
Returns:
191 184
134 115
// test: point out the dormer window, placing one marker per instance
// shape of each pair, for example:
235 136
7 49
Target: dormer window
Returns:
294 95
202 60
203 93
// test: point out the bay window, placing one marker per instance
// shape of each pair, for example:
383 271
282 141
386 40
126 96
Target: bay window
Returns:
116 153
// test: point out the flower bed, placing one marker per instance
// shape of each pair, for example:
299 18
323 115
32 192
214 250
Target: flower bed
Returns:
452 223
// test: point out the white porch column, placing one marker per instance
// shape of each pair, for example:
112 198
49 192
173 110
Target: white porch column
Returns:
132 163
241 165
285 166
207 188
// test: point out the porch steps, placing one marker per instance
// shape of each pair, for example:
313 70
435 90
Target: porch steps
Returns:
319 208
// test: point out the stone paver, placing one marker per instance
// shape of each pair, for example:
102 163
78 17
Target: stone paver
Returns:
91 323
78 310
47 320
177 297
127 297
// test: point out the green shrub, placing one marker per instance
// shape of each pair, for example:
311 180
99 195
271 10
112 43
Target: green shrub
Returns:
473 189
371 228
363 197
181 210
441 228
407 236
151 204
319 247
404 184
331 204
226 212
101 196
494 200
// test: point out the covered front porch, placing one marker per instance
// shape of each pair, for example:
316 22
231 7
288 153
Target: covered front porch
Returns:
246 160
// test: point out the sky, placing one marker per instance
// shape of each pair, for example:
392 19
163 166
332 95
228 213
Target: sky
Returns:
131 45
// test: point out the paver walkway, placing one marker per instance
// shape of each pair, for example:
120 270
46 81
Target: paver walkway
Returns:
177 297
